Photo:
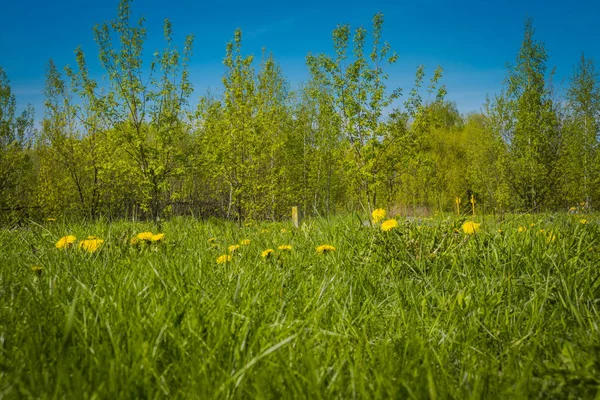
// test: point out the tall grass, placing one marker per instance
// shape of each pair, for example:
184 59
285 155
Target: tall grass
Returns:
421 311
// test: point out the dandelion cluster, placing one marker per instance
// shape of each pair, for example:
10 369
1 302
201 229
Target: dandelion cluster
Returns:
91 245
267 253
225 258
470 227
146 237
66 242
325 248
389 225
377 215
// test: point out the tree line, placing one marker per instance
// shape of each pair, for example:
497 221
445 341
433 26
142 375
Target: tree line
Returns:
134 146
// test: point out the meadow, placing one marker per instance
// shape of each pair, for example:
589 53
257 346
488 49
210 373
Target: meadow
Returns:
422 308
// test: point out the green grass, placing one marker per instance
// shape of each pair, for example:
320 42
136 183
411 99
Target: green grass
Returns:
421 311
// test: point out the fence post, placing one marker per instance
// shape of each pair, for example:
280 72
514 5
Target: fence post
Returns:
296 219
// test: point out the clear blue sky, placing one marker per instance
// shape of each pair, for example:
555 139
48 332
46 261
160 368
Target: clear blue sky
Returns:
472 39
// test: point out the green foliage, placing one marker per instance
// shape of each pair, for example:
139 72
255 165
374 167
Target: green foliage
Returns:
358 84
526 119
17 179
132 146
582 129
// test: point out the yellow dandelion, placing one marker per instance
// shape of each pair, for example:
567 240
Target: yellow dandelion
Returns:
145 236
389 225
264 231
325 248
531 225
583 221
500 231
91 245
470 227
65 242
225 258
157 238
37 270
521 229
245 242
285 247
377 215
267 253
233 247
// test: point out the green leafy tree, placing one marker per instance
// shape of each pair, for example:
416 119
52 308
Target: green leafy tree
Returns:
16 134
147 110
525 117
581 162
357 80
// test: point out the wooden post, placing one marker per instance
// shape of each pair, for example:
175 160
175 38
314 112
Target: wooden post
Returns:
296 219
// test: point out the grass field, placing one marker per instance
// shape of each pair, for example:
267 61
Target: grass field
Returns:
423 310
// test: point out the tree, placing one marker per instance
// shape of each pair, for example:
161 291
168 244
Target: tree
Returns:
358 84
581 135
146 110
16 133
524 116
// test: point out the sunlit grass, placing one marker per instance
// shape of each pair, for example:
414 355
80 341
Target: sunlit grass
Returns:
421 310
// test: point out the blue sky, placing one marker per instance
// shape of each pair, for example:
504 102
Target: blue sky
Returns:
472 40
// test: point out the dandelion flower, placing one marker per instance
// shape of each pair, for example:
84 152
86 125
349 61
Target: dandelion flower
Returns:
521 229
285 247
470 227
233 247
65 242
157 238
225 258
583 221
267 253
91 245
389 225
245 242
145 236
264 231
377 215
325 248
